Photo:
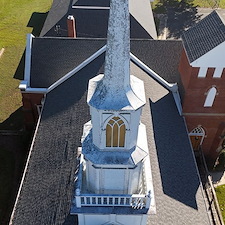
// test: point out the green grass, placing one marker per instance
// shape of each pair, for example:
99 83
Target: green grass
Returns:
209 3
202 3
6 179
14 19
220 192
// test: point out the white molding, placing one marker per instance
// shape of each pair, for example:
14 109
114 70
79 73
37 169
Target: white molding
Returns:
171 87
78 68
211 59
35 90
152 73
202 72
218 72
204 114
28 59
90 7
210 98
24 86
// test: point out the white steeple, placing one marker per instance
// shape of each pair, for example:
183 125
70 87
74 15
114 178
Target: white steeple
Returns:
114 142
117 90
117 59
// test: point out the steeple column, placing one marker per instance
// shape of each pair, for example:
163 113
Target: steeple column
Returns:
117 60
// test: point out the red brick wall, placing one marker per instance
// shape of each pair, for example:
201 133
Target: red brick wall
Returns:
30 102
185 69
214 128
193 103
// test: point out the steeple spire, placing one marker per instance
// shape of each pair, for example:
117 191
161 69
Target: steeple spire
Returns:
117 60
117 90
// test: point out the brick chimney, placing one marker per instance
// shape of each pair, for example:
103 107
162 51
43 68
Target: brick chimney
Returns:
71 26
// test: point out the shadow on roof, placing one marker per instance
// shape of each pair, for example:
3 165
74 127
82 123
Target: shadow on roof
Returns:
176 163
72 93
85 25
102 3
71 219
37 21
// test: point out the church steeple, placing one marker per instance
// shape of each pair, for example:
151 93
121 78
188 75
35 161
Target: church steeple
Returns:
117 90
114 143
117 59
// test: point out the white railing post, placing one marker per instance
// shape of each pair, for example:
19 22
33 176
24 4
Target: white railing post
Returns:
78 200
148 200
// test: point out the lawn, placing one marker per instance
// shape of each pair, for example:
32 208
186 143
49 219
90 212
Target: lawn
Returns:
220 192
202 3
14 19
15 23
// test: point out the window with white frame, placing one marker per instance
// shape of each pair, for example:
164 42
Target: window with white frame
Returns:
115 132
210 97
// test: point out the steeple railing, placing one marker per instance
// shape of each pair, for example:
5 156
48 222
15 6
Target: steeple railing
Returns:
136 201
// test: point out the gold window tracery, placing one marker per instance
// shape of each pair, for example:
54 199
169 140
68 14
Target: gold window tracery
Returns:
115 132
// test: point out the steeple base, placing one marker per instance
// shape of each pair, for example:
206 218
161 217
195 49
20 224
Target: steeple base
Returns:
112 219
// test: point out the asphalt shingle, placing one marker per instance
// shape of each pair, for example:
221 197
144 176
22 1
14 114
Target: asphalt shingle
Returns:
47 189
204 36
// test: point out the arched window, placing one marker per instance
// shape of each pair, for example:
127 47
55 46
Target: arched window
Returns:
198 131
196 136
210 97
115 132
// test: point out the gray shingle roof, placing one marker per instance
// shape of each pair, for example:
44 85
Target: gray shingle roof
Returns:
89 23
52 58
204 36
47 189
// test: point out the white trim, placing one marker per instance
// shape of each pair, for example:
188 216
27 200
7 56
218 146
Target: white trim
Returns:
78 68
25 171
204 114
35 90
28 59
202 71
198 131
39 109
89 7
218 72
152 73
171 87
197 170
210 97
23 85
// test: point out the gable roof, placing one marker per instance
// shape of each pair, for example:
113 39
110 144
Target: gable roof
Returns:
47 189
52 58
90 23
204 36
